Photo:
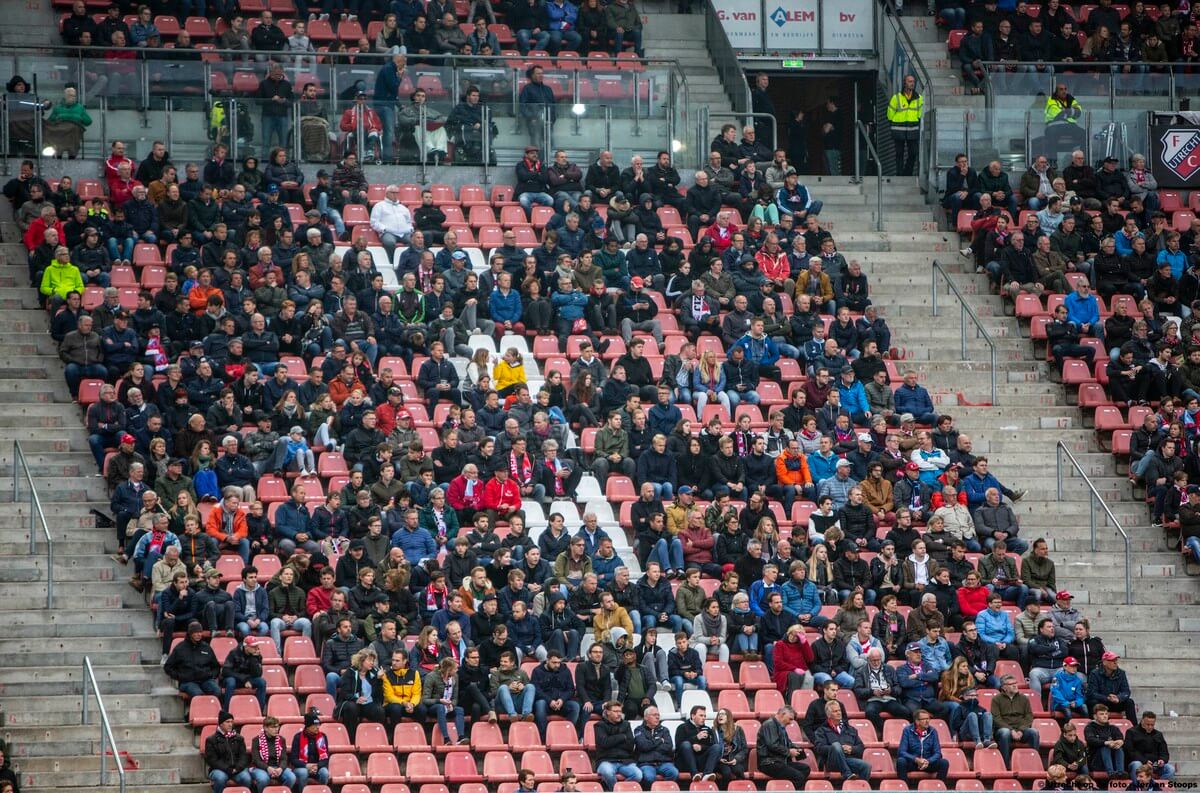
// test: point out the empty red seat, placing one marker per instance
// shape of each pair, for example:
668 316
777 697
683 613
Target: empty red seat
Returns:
344 769
382 768
460 768
299 650
422 767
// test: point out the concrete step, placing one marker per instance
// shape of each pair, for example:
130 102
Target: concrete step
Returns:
188 763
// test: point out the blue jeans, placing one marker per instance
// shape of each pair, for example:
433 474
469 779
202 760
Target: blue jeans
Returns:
278 626
439 710
262 778
541 713
836 760
663 490
1017 594
504 701
746 643
738 397
678 682
630 35
331 683
99 279
209 687
956 18
1110 760
564 39
231 688
220 779
387 116
120 249
539 42
323 207
1014 544
527 200
264 628
843 679
1193 545
608 772
277 127
1167 771
650 620
1004 736
76 373
1034 203
365 347
651 772
868 595
146 563
668 554
302 777
976 727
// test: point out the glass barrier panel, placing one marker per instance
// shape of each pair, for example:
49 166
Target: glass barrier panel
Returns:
1018 88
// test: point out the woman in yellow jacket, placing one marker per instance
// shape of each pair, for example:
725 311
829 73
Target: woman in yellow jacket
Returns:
509 372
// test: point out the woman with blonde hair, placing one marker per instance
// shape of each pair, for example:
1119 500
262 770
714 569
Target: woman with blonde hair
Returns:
359 695
820 571
708 383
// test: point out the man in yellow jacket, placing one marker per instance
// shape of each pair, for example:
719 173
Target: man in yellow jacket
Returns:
60 278
904 114
401 692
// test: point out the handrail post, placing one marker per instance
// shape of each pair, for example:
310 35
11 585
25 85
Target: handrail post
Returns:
962 331
1058 470
107 741
1095 499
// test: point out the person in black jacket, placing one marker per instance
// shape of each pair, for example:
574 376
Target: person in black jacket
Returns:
360 696
829 658
654 747
226 755
532 187
243 670
555 693
962 186
1063 338
615 747
838 747
696 745
193 664
603 177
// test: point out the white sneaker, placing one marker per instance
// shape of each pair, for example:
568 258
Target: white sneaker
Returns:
667 686
163 661
966 252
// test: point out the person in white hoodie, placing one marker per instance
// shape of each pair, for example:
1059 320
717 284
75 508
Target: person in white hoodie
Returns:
391 220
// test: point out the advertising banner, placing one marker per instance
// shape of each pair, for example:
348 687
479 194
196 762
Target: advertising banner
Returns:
1175 155
848 25
792 25
742 21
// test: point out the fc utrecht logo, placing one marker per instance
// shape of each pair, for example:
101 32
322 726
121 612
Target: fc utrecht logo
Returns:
1181 151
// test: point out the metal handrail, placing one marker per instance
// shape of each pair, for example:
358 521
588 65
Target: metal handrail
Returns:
36 515
1096 498
106 734
729 69
925 159
866 136
966 311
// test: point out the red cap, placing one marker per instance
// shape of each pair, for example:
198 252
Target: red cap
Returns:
1070 661
636 282
403 414
1063 594
1109 656
912 467
127 438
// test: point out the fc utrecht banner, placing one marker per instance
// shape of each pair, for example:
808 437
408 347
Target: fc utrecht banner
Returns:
792 25
848 25
742 20
1175 156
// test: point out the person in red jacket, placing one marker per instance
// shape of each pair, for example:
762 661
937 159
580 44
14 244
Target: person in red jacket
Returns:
773 262
721 233
972 596
792 656
501 496
113 163
372 127
35 235
465 494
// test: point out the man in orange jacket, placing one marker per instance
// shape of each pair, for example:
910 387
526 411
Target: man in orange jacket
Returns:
792 477
227 524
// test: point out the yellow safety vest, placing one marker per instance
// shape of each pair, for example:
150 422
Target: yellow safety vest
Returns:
905 112
1055 108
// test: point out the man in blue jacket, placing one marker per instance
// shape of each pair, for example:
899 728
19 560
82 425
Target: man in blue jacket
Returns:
1084 310
977 482
914 399
760 350
920 750
536 103
918 681
251 609
294 524
505 305
555 692
853 397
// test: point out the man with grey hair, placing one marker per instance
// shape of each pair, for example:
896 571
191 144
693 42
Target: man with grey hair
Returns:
876 689
559 476
779 757
390 219
838 747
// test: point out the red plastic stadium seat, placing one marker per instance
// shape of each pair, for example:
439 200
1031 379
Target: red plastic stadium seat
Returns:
460 768
422 767
497 767
299 650
382 768
344 769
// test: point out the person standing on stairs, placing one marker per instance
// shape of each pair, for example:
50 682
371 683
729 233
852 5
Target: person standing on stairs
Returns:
904 114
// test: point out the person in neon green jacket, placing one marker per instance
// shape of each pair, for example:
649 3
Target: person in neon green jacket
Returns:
60 278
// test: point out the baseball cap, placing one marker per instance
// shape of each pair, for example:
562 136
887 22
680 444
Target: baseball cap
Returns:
912 467
684 489
272 188
843 463
458 255
865 437
127 438
1109 656
322 172
403 414
1070 660
1063 594
393 391
636 282
912 647
907 417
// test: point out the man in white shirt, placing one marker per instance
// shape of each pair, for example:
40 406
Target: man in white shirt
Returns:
391 220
